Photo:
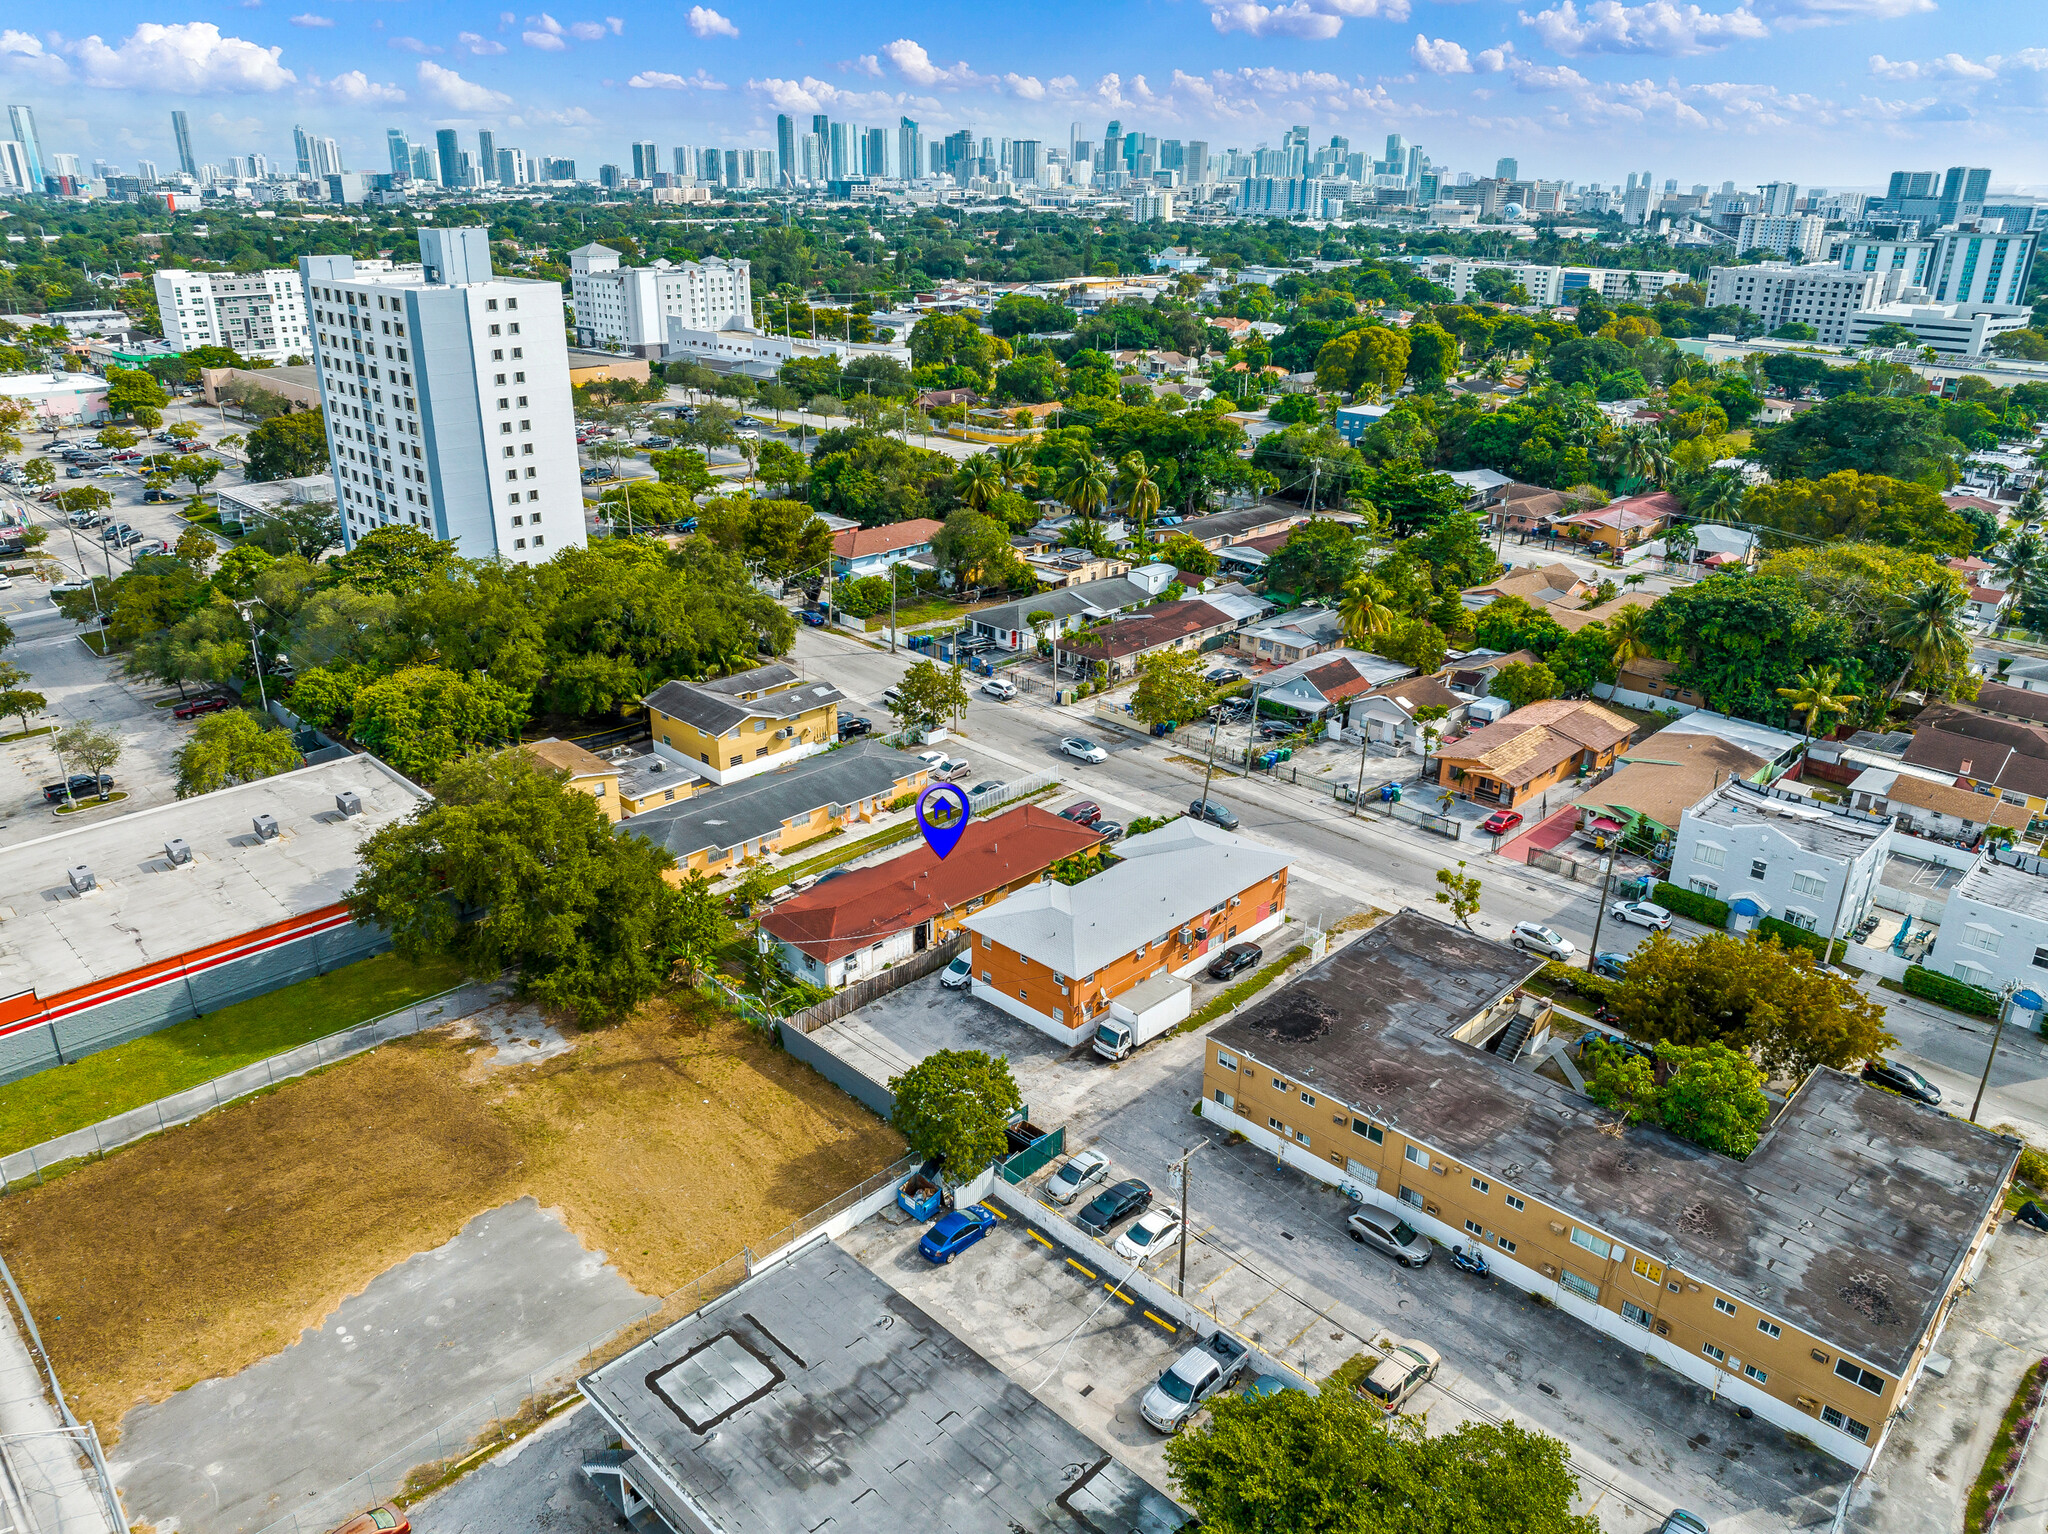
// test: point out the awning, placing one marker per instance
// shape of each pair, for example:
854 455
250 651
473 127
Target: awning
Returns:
1744 905
1604 824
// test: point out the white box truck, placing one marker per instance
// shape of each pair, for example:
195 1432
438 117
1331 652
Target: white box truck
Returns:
1142 1014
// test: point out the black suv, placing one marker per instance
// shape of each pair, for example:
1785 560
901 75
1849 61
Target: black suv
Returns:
1234 959
1903 1080
79 785
1113 1204
852 725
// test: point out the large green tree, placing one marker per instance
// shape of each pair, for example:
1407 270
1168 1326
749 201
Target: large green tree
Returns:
287 446
1741 637
581 915
1868 508
1894 437
230 748
953 1106
1318 559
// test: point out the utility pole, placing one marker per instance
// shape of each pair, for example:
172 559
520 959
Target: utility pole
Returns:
1600 912
1358 793
1252 727
892 609
2014 997
255 657
1179 1171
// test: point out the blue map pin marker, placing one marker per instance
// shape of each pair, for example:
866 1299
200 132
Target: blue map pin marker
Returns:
942 812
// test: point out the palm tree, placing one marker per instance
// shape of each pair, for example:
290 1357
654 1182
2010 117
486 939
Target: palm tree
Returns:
1927 624
2021 560
1363 615
1013 463
1625 632
978 482
1642 453
1816 696
1717 497
1144 501
1085 488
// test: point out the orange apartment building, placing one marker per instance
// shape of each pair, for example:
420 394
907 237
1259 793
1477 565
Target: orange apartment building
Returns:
1807 1282
1059 957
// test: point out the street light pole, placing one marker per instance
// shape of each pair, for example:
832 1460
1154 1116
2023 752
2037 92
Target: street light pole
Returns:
255 657
1600 911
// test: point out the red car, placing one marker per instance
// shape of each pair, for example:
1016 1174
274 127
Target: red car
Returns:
378 1520
194 707
1500 822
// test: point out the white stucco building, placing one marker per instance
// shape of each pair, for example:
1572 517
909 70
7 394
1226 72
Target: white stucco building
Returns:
1995 930
259 314
1767 852
631 308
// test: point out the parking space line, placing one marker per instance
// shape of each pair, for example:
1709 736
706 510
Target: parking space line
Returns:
1073 1264
1312 1320
1117 1291
1149 1316
991 1208
1035 1236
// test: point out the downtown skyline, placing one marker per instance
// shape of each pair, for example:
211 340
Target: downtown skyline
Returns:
1835 92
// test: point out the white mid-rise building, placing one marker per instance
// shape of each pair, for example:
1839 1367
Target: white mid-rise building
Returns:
259 314
1548 285
446 391
1770 853
1783 234
1780 293
632 308
1994 931
1953 330
1957 266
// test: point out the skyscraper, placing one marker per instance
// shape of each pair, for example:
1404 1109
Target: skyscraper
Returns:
1194 161
646 160
785 149
1508 168
23 122
909 150
875 158
303 148
425 167
450 154
1113 147
1397 151
183 135
1962 192
487 155
395 144
1775 198
845 151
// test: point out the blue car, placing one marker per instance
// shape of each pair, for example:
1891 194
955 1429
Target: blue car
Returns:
1613 965
952 1234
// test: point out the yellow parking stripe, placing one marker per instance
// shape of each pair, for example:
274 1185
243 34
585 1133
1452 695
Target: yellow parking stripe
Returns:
1112 1288
1073 1264
991 1208
1149 1316
1035 1236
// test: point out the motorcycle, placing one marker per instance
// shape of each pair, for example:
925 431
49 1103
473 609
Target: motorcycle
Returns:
1473 1262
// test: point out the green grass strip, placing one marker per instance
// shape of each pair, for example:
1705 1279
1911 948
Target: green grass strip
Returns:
1244 990
1978 1508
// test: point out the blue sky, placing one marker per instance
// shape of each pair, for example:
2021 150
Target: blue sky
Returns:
1834 93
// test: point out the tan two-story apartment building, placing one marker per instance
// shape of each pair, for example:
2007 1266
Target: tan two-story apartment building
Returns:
1060 956
1806 1282
749 722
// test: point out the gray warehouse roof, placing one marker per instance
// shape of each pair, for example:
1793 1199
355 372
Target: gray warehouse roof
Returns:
1850 1219
145 911
814 1396
719 818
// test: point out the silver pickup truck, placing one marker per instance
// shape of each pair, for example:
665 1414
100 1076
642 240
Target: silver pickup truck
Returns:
1195 1376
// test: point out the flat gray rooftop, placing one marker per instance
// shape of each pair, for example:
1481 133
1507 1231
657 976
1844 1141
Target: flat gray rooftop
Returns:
1850 1219
813 1396
2021 890
1808 823
145 911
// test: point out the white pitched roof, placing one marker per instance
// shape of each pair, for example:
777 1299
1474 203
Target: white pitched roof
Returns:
1164 879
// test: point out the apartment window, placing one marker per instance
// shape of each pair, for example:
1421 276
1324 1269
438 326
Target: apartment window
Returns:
1719 1355
1417 1155
1504 1243
1584 1288
526 450
532 473
505 427
1301 1135
1981 938
511 473
1481 1185
1856 1374
511 303
1410 1196
1703 887
1597 1245
1370 1130
1228 1062
1758 868
522 402
1279 1085
1222 1096
1755 1373
1708 855
1809 884
1847 1424
1630 1311
526 426
1645 1268
498 356
494 330
1769 1328
1309 1098
1273 1123
1726 1307
513 329
1515 1203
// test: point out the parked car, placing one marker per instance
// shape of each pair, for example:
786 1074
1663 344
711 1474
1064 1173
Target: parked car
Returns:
78 785
996 687
1089 1166
985 786
1904 1080
192 708
851 725
811 616
1500 822
129 535
1083 750
955 976
944 766
1132 1196
1083 812
1613 965
1682 1522
1108 830
1191 1379
1404 1369
1641 913
1215 813
1223 675
951 1234
1235 958
378 1520
1388 1233
1533 935
1155 1232
157 497
1621 1041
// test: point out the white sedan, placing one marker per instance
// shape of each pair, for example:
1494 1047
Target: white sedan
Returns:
996 687
1642 913
1156 1232
1083 750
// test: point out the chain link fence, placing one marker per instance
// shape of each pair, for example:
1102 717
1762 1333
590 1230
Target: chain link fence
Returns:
181 1107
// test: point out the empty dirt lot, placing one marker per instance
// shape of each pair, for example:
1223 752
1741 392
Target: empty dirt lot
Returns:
667 1143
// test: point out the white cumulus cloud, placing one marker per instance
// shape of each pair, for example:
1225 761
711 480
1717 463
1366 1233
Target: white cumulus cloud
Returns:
706 22
308 19
1315 19
916 66
1659 26
358 89
25 52
1821 13
450 89
587 31
476 42
547 42
661 80
413 45
1440 56
189 57
1950 66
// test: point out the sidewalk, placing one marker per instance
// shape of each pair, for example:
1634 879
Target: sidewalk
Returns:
52 1483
